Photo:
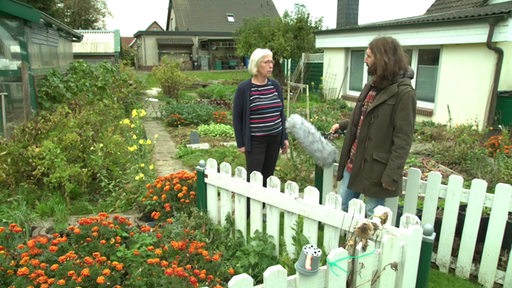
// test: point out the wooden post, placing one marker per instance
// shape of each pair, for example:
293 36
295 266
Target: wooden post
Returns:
26 91
201 186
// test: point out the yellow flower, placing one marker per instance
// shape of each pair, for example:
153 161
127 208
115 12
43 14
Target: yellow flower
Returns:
134 137
141 141
142 165
134 113
151 167
149 142
125 121
132 148
139 177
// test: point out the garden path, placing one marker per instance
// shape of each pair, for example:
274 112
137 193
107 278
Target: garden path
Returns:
163 158
164 147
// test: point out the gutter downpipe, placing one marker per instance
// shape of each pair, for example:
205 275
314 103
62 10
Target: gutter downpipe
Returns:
497 69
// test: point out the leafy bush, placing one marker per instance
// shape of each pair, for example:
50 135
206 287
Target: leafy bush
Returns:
217 91
216 130
177 114
170 78
86 84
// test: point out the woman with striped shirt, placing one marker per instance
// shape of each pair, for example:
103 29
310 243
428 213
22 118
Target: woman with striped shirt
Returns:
258 116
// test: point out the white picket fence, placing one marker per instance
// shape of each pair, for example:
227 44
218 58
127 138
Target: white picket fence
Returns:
390 260
486 252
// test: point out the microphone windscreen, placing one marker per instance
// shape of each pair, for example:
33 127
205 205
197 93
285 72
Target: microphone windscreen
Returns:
323 152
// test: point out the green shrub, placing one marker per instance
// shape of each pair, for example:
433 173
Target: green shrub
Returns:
177 114
217 91
216 130
170 78
86 84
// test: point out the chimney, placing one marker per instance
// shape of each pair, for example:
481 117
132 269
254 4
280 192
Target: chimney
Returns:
348 13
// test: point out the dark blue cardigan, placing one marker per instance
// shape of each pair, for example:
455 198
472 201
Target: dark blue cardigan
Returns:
241 114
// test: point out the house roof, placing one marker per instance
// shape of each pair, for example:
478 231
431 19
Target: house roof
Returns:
450 14
212 15
29 13
440 6
126 42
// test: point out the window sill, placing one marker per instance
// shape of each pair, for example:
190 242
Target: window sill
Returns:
423 111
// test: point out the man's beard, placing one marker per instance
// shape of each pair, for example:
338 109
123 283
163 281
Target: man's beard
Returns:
371 70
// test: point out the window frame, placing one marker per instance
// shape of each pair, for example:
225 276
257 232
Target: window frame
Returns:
413 63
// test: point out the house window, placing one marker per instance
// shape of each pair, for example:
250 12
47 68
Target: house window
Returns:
424 61
356 77
426 74
231 17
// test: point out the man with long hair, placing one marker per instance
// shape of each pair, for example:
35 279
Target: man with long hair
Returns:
380 132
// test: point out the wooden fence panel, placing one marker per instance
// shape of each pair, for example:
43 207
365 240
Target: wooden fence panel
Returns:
226 205
211 192
220 184
241 203
412 190
273 213
430 200
471 225
495 233
332 234
450 213
390 255
312 196
276 276
290 218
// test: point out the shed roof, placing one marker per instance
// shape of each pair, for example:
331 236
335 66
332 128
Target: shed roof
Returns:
212 15
98 41
29 13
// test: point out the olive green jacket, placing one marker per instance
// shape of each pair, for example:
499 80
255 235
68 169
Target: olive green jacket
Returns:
384 140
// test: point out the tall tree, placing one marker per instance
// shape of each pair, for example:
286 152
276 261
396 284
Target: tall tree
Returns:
77 14
287 38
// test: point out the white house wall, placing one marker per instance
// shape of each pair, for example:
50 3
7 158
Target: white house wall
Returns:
466 65
506 69
335 68
464 84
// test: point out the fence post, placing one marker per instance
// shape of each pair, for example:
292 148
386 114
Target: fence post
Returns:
427 246
319 179
201 186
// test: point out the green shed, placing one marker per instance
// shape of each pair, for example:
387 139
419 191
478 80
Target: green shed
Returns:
31 44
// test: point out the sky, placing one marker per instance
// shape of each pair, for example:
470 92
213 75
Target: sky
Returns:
129 16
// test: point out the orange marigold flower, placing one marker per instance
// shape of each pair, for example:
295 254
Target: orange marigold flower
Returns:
216 257
85 272
155 215
88 260
169 220
54 267
61 282
103 242
53 249
169 271
231 271
100 280
23 271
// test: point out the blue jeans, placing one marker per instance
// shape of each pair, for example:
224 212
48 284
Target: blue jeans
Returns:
349 194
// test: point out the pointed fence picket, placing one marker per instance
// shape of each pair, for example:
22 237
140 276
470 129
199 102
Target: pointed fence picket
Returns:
390 260
457 215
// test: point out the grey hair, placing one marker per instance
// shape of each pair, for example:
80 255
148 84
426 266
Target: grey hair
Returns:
256 58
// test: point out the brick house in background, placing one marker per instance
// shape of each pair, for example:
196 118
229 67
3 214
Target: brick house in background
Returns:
199 33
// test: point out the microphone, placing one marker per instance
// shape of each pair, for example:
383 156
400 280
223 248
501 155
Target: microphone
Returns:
324 152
